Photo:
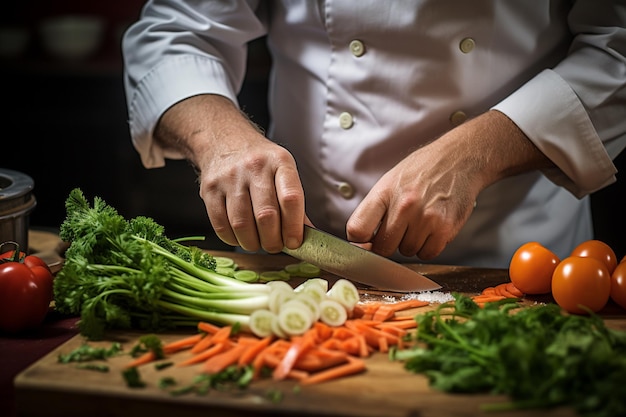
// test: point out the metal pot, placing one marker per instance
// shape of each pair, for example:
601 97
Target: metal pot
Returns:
16 202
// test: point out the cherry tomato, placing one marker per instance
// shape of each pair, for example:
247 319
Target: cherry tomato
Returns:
531 268
618 285
581 283
599 250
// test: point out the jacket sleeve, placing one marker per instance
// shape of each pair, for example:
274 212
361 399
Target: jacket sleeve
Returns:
575 113
179 49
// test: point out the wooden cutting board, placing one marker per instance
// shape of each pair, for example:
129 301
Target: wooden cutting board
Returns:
48 388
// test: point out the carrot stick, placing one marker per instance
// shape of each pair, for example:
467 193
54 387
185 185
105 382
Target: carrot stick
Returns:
489 291
316 360
181 344
207 327
143 359
297 348
514 290
383 346
223 359
221 335
205 354
354 365
253 350
203 344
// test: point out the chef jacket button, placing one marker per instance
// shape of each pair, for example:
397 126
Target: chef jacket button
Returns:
458 117
357 48
345 120
345 190
467 45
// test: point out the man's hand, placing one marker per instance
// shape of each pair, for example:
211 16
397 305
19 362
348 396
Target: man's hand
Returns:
421 204
249 184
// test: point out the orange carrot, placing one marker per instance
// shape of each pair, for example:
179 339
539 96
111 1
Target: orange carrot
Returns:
207 327
298 346
514 290
253 350
206 354
221 335
383 346
143 359
387 311
181 344
354 365
223 360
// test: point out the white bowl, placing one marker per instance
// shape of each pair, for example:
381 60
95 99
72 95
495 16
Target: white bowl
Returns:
72 37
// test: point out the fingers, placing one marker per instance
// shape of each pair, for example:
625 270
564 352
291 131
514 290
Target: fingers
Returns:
291 202
406 223
257 206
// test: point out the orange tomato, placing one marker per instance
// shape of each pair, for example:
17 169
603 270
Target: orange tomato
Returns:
581 283
599 250
618 284
531 268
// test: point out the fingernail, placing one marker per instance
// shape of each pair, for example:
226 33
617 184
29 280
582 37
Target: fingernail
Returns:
292 243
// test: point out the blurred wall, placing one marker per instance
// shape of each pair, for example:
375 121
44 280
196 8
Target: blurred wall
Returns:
64 124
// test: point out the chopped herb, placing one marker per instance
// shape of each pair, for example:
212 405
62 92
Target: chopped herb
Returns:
274 395
231 377
149 342
93 367
133 378
85 353
167 382
538 356
162 365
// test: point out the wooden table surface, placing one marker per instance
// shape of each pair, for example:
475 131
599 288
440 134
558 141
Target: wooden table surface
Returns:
47 388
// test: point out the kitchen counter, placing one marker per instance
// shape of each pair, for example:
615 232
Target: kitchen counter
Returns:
45 387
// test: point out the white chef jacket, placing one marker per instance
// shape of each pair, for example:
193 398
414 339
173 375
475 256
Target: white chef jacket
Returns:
357 85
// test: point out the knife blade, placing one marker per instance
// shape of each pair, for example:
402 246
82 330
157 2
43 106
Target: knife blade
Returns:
352 262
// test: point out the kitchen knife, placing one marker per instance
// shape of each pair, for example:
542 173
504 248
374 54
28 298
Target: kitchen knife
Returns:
352 262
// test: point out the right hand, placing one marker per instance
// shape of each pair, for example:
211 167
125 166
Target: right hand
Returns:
249 184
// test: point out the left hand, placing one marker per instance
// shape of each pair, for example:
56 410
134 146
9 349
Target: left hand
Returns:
421 204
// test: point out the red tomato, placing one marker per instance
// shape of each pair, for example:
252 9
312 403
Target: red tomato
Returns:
579 283
531 268
618 285
28 260
26 289
599 250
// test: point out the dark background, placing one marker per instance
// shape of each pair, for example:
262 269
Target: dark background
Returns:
64 124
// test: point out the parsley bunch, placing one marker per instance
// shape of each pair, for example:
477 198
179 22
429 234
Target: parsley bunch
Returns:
538 356
122 273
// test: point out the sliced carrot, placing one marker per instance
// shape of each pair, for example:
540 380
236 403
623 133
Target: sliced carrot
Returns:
353 366
207 327
317 359
180 344
206 354
253 350
324 331
489 291
298 346
371 334
400 326
383 346
514 290
203 344
223 359
142 359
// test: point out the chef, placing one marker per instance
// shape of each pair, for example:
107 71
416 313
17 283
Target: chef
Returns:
440 131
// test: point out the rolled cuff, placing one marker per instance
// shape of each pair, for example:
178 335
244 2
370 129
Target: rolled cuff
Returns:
174 80
548 111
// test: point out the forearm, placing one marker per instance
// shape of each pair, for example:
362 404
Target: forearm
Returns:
503 149
200 126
